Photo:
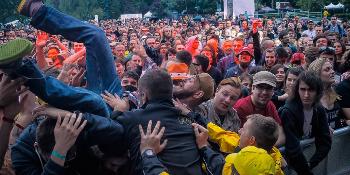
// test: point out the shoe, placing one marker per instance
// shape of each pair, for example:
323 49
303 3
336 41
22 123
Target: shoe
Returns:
14 50
24 7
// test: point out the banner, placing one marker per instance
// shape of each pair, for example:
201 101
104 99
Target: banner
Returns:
237 7
228 9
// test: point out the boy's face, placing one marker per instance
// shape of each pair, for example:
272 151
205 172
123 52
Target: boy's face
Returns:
246 139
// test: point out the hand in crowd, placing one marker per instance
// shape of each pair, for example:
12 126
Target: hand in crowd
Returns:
181 106
10 89
151 140
77 79
41 43
140 50
345 76
117 103
66 71
66 132
49 111
201 135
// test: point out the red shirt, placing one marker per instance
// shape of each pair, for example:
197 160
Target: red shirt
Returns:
245 107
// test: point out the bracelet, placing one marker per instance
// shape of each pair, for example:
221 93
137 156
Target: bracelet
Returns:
8 120
58 155
19 126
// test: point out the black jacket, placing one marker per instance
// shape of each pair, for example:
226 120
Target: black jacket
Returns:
292 116
99 131
181 155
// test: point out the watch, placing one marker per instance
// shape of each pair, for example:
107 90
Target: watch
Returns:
148 153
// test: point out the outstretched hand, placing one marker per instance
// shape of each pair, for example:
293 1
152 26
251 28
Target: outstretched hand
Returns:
151 140
49 111
67 130
181 106
117 103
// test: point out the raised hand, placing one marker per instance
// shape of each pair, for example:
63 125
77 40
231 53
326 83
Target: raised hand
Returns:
181 106
151 140
10 89
77 79
117 103
67 130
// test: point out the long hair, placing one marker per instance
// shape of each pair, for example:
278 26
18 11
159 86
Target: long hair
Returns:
313 81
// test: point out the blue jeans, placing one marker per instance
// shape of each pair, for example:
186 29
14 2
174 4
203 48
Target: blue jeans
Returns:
100 68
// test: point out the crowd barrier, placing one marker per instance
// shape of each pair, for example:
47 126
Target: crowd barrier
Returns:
338 160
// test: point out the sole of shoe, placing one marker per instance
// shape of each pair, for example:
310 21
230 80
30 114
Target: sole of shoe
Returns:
14 50
20 9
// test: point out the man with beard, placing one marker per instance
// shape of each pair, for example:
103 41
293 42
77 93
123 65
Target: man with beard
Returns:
245 56
259 102
194 90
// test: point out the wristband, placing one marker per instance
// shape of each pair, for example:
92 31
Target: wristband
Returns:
8 120
19 126
58 155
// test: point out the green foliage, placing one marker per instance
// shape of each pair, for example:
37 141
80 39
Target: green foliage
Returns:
86 9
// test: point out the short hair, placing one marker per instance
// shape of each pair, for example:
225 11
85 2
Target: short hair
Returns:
265 131
321 36
313 81
184 57
131 74
282 34
149 83
276 67
281 52
203 61
311 54
45 135
232 81
256 69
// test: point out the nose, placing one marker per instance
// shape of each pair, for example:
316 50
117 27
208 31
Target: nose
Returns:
307 94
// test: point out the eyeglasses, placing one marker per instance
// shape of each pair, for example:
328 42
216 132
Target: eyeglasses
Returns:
262 87
195 64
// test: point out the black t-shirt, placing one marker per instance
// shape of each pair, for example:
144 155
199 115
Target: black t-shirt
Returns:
215 74
343 90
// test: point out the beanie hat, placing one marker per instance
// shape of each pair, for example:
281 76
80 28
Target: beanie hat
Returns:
316 65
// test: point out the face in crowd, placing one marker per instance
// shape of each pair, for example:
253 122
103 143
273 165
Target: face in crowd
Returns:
262 94
225 97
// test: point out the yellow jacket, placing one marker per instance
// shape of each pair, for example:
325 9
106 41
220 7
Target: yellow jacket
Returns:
228 141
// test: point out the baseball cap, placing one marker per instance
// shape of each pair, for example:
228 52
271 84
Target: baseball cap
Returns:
252 160
178 71
264 77
206 84
310 21
247 50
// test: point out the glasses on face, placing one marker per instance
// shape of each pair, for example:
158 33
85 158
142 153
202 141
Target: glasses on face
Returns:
264 87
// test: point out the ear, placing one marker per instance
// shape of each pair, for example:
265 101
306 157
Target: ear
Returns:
252 141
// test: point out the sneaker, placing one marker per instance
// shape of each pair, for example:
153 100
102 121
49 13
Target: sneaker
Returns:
24 7
14 50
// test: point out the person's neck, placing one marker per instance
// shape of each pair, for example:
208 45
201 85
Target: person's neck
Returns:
327 87
243 69
256 105
220 113
307 107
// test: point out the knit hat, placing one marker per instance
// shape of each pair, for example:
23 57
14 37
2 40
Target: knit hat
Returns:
316 65
264 77
206 84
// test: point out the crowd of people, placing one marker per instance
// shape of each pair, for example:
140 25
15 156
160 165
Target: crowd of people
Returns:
168 96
